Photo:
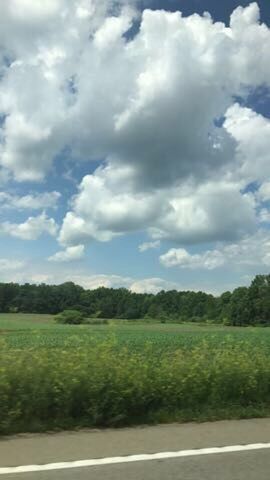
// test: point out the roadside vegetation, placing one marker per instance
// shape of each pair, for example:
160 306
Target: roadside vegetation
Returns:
108 384
56 376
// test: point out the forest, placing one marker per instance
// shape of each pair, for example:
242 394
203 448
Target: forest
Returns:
242 307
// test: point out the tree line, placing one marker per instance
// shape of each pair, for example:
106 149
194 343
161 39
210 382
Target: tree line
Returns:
244 306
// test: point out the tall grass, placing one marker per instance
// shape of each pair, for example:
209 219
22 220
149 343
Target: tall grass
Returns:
108 384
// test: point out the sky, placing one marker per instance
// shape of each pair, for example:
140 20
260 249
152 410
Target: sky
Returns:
135 143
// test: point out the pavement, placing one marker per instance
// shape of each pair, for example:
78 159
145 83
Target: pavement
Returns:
166 440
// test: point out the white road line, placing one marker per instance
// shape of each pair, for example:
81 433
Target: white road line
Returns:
133 458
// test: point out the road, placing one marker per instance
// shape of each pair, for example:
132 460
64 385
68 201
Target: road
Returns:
168 441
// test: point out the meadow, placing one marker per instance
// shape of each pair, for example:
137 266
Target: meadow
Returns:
66 376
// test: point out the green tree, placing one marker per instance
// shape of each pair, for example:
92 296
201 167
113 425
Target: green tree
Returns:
239 308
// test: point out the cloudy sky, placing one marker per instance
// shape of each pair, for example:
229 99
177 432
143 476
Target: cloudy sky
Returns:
135 142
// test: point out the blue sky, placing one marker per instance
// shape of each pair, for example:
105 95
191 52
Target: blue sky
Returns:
134 143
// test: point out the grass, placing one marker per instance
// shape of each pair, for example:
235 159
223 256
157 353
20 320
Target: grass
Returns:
60 376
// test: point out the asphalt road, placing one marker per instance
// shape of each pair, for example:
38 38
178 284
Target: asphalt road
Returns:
73 446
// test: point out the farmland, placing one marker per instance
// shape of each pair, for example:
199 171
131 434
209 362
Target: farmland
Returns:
30 330
62 376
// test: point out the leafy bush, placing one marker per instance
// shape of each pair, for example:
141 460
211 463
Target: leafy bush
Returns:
73 317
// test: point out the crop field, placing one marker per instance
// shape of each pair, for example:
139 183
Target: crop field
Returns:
30 330
63 376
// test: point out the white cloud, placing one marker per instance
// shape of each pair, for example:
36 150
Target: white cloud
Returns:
148 246
31 229
143 285
26 150
91 282
156 109
153 285
162 123
108 281
252 134
108 206
7 265
112 30
105 208
44 45
181 258
68 255
251 251
36 201
210 212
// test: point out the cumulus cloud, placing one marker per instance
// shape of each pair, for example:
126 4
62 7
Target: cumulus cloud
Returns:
104 208
211 212
42 47
69 255
251 131
148 246
190 214
252 251
155 110
31 229
108 281
36 201
153 285
179 257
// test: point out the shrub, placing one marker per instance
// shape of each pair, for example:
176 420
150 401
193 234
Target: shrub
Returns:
73 317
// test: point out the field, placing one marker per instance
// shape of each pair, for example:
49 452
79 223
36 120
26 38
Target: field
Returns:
59 376
30 330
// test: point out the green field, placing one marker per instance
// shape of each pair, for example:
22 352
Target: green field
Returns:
22 321
30 330
62 376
